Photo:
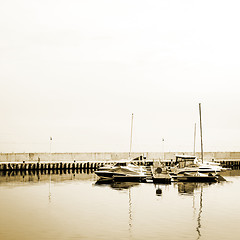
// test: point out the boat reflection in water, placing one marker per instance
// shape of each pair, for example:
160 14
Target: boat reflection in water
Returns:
116 185
188 188
124 185
121 186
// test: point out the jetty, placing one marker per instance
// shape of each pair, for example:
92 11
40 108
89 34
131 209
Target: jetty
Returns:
45 161
59 165
47 165
225 158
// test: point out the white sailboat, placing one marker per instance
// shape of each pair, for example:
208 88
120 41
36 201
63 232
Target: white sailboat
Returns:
124 170
199 171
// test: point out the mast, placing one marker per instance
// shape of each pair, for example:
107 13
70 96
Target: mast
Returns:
131 137
163 148
194 152
50 149
201 131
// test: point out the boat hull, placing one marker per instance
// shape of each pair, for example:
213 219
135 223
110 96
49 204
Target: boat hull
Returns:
166 180
107 174
118 178
195 179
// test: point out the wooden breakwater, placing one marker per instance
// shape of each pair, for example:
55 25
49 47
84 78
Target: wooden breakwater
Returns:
44 161
234 164
90 165
32 166
45 166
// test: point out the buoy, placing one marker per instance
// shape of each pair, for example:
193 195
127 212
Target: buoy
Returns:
158 170
159 191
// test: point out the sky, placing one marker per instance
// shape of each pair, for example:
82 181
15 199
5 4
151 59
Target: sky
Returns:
76 70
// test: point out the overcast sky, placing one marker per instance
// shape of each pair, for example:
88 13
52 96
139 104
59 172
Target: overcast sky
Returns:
77 69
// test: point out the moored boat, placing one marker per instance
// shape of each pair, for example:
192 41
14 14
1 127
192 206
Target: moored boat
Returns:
195 177
123 172
201 168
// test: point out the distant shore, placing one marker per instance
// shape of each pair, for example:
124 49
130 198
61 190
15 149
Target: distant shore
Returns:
105 156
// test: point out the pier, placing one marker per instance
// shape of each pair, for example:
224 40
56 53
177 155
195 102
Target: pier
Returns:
58 161
61 165
40 166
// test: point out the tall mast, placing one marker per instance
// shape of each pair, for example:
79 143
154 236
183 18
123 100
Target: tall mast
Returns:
163 148
201 131
194 152
131 137
50 149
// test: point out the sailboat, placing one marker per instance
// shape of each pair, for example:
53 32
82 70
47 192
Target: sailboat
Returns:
124 170
199 172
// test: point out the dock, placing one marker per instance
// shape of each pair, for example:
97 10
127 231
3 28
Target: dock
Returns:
159 175
156 170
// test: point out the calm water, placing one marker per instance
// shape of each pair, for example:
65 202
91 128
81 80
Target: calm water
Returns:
73 206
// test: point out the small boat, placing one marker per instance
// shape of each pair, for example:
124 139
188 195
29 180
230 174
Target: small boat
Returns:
123 172
192 164
200 168
111 165
195 177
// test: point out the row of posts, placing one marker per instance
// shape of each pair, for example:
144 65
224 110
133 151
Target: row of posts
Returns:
23 166
48 166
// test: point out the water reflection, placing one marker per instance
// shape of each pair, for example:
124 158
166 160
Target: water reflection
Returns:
124 185
199 215
116 185
189 189
44 176
121 186
49 195
130 213
82 208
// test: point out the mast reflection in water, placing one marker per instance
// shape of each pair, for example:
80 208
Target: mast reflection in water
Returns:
189 189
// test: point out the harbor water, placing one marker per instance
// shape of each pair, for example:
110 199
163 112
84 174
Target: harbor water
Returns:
75 206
